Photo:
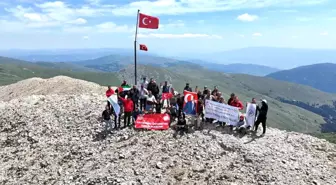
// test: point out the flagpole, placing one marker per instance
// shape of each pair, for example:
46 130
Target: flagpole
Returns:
135 49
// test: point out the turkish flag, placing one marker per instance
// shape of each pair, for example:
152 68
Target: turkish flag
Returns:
148 22
190 102
166 96
143 47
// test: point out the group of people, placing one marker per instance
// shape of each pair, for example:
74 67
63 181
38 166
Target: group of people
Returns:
147 99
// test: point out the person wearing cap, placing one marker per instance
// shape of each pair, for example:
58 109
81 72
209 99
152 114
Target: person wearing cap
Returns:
242 124
187 88
262 117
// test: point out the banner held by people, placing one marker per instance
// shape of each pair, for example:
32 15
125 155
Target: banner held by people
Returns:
113 99
153 121
221 112
250 114
190 102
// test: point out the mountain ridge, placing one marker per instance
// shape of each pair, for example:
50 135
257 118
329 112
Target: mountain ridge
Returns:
319 76
66 143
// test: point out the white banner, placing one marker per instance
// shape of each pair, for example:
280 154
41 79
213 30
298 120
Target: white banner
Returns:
221 112
250 114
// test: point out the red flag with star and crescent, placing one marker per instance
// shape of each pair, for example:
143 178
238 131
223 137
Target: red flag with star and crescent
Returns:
143 47
148 22
190 102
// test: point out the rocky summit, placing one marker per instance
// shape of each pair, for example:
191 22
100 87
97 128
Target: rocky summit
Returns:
52 134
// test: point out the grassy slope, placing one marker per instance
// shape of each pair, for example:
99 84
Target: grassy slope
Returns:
14 70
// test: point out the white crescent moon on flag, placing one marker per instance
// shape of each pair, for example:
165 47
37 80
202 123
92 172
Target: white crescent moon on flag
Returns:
143 21
186 98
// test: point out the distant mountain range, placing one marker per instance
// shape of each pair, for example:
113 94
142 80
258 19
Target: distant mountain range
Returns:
275 58
238 68
258 61
281 58
319 76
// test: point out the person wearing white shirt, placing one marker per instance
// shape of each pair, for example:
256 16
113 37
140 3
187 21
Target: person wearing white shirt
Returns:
143 96
150 101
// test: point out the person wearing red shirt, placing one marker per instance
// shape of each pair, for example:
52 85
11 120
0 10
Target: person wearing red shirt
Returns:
237 103
109 93
128 109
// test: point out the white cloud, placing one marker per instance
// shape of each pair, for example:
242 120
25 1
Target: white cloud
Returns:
201 21
78 21
106 27
177 23
257 34
247 17
33 16
284 11
324 33
112 27
185 35
86 37
304 19
174 7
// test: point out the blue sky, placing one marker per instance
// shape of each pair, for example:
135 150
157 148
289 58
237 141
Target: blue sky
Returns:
185 25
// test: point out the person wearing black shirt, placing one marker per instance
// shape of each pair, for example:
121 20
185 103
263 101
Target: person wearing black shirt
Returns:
262 117
154 88
187 88
135 114
231 99
134 93
181 126
180 102
107 118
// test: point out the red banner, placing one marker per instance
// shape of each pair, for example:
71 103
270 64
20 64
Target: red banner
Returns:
166 96
153 121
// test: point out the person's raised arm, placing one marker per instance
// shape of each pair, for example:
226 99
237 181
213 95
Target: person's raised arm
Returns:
121 98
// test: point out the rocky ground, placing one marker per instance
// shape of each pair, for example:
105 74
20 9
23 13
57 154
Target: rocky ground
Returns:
58 138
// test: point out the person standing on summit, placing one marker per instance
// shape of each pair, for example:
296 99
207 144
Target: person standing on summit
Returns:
231 98
237 103
109 93
262 117
187 88
154 88
144 82
166 89
128 109
134 93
